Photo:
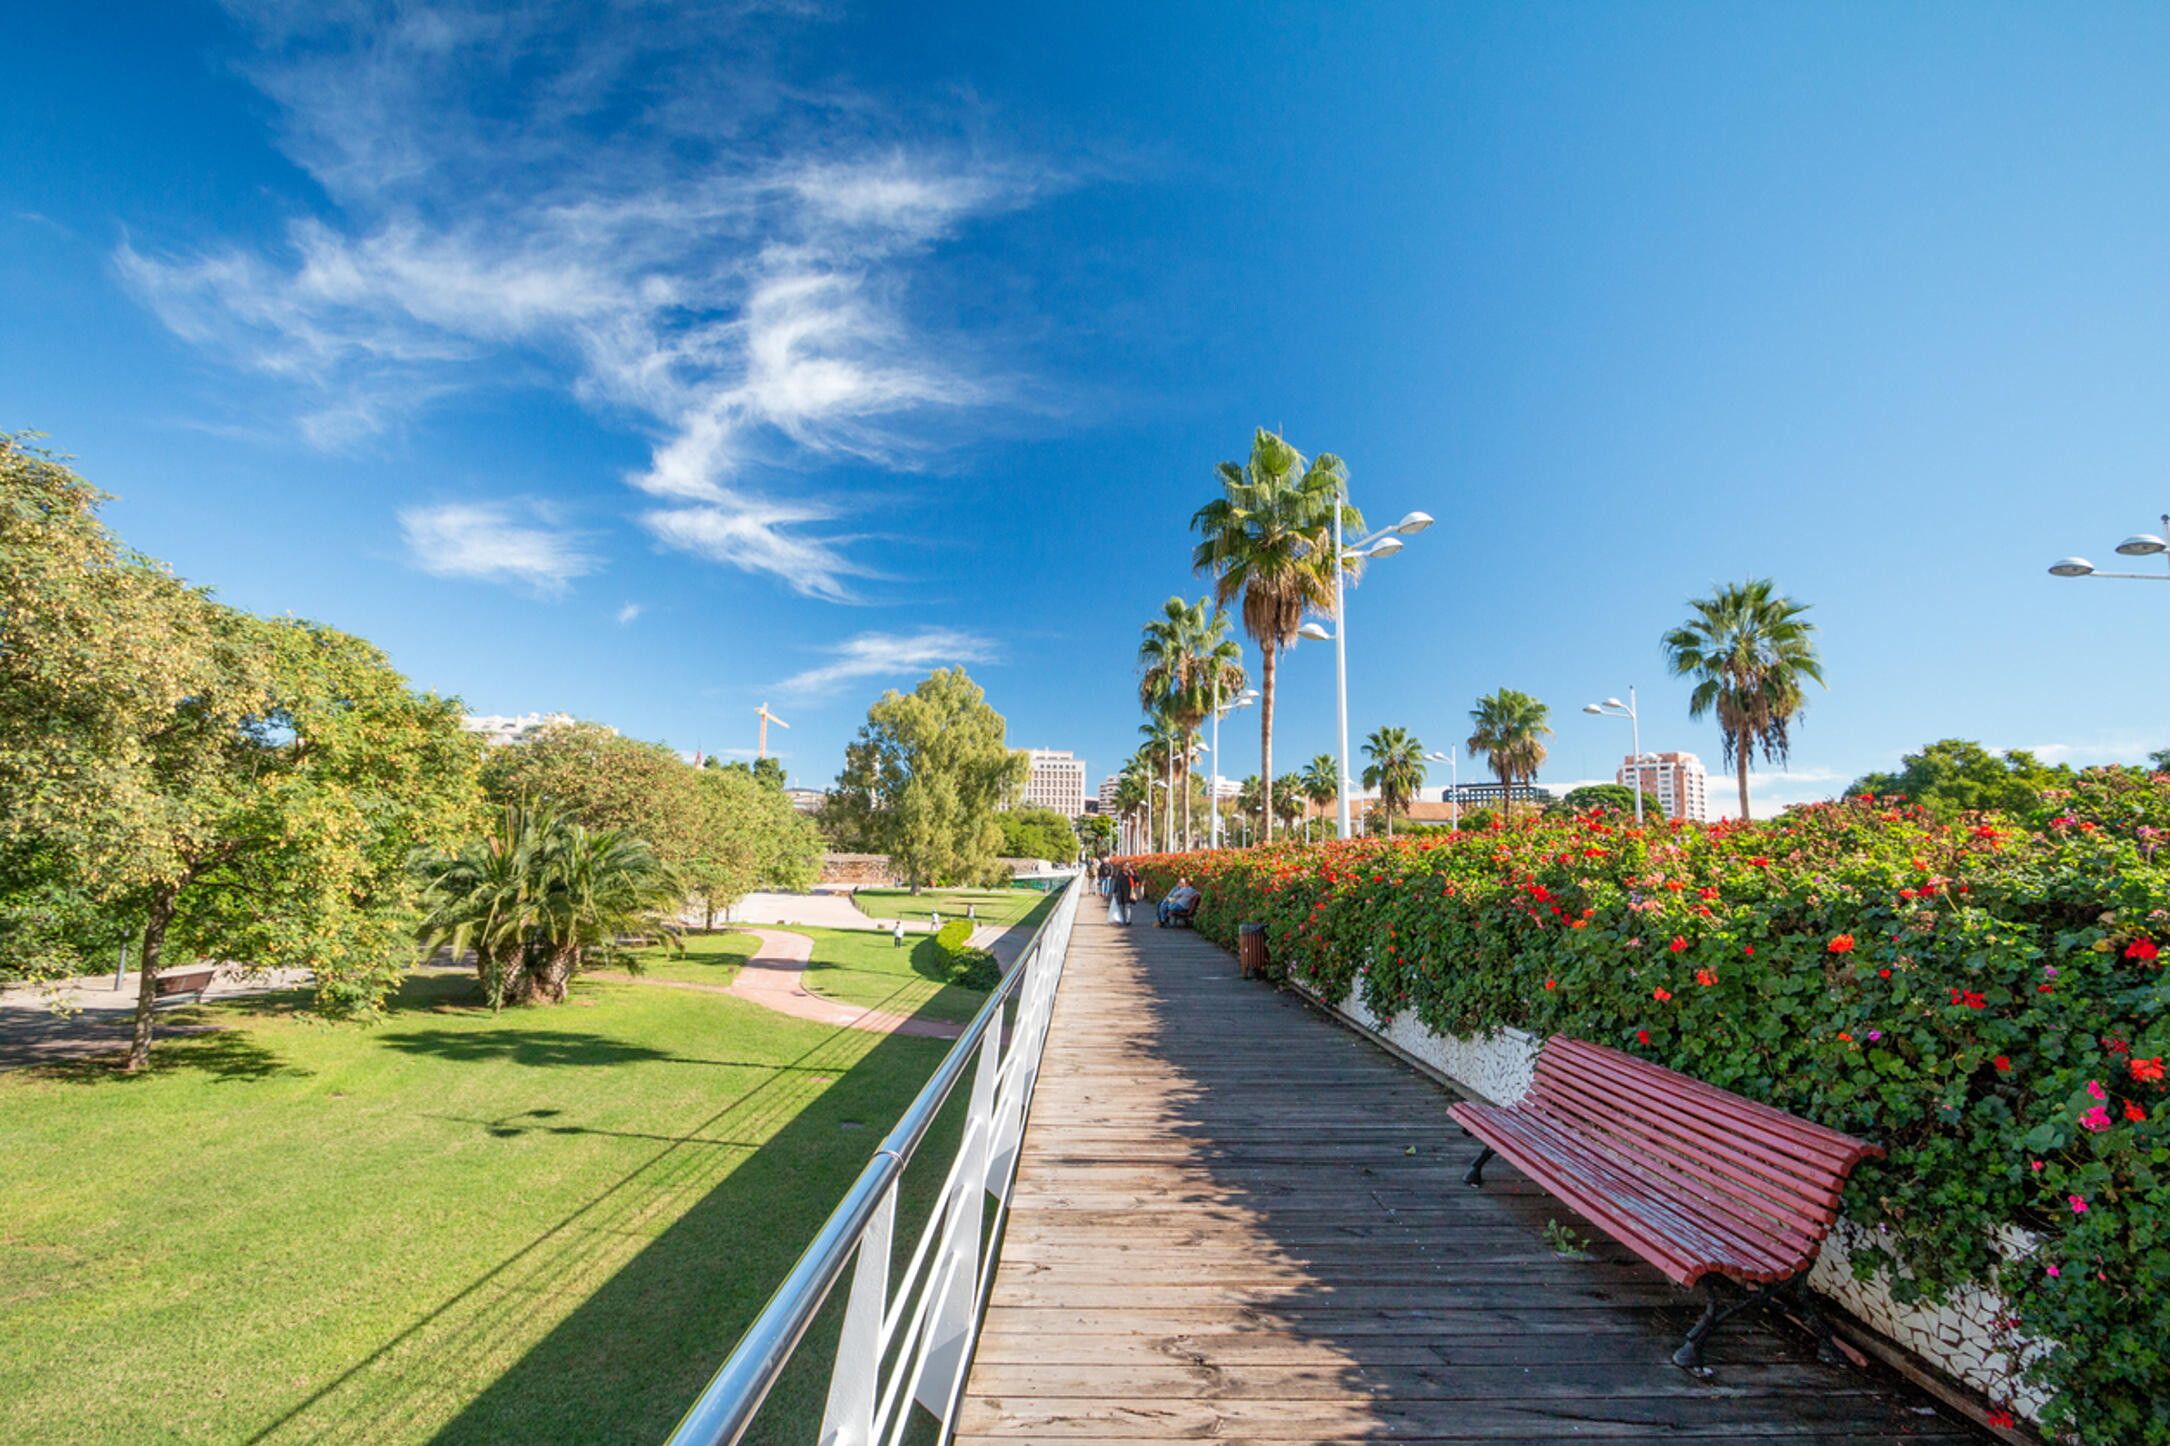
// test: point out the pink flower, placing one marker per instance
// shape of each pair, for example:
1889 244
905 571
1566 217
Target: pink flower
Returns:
2054 1272
2035 1165
2079 1206
2094 1088
2096 1119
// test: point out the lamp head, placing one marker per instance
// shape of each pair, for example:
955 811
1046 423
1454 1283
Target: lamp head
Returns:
1414 523
1386 547
1316 632
2071 567
2142 544
1593 708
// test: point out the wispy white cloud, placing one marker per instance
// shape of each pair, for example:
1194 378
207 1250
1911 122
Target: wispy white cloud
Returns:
647 211
493 542
627 612
891 655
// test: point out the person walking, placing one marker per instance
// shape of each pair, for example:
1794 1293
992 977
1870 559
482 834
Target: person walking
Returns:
1124 892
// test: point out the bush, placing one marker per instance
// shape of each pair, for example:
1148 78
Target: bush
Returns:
1985 997
970 967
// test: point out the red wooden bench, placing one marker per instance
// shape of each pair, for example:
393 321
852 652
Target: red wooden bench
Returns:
1703 1184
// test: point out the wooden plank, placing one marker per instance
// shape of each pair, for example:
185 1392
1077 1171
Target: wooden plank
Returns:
1220 1230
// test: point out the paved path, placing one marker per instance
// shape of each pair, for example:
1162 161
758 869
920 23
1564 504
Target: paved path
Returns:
94 1018
1234 1219
775 978
825 911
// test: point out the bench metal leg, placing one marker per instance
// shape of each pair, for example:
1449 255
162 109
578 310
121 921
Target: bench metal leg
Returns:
1690 1355
1812 1316
1474 1178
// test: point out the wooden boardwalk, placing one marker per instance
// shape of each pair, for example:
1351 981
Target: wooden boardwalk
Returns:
1235 1220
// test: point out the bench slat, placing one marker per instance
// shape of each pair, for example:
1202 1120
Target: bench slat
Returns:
1751 1171
1841 1149
1695 1179
1665 1200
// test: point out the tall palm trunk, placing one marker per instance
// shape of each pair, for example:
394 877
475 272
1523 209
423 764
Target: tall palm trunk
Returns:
1268 650
1190 745
154 943
1740 762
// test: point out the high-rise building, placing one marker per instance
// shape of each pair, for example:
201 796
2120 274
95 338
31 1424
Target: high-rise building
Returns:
1108 787
1056 780
1676 780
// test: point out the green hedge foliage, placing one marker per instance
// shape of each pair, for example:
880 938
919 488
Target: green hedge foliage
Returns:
1984 997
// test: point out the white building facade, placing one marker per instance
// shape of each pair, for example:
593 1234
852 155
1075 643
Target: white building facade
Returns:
1056 780
498 729
1677 780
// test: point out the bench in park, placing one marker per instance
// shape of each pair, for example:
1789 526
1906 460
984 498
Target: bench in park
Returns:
1705 1185
183 986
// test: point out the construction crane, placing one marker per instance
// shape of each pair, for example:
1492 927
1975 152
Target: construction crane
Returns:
767 718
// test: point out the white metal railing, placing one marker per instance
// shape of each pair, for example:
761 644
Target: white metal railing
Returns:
908 1345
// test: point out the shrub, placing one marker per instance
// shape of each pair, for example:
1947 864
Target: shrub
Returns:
1986 997
970 967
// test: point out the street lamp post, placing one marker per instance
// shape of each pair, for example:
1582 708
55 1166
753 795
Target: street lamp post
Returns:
2140 544
1614 708
1242 700
1383 543
1454 787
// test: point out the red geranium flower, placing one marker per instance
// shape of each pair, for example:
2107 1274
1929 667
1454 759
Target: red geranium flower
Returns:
2141 948
2134 1113
2147 1069
2002 1062
1843 944
1661 995
1706 977
1642 1036
1678 944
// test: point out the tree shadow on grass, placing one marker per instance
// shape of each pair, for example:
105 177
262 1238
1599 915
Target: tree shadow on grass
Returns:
91 1052
650 1281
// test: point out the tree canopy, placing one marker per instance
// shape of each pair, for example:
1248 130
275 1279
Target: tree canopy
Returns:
926 778
1953 776
1033 832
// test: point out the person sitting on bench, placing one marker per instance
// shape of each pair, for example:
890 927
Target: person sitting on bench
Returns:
1179 904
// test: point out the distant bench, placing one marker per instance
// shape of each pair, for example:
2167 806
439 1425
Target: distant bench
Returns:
1703 1184
172 985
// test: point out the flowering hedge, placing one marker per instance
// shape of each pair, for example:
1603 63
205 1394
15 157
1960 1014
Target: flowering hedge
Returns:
1986 998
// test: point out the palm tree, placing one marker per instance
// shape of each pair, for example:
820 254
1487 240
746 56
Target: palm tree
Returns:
1186 659
1396 770
1268 540
1751 654
537 894
1289 802
1250 798
1510 731
1319 781
1132 785
1165 743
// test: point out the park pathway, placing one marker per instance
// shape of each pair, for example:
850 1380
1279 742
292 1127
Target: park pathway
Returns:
1236 1220
775 978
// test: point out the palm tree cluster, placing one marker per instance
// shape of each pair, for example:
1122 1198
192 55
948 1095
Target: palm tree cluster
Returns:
1267 544
537 898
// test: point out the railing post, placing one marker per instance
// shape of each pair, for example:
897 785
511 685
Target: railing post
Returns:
848 1419
956 1269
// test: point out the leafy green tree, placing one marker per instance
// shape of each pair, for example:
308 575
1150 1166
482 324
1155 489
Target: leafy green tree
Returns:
764 770
1268 541
1954 776
240 788
748 836
930 772
1396 770
601 779
2159 760
1033 832
1096 831
1509 732
1752 656
538 897
1612 797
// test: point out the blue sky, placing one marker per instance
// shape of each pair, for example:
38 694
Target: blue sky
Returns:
652 362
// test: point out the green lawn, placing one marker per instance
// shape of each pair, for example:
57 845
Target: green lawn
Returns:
542 1226
708 959
996 906
874 971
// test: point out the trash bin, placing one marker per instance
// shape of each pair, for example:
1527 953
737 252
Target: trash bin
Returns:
1251 949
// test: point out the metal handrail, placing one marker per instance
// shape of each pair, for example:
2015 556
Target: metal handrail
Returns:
859 1230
